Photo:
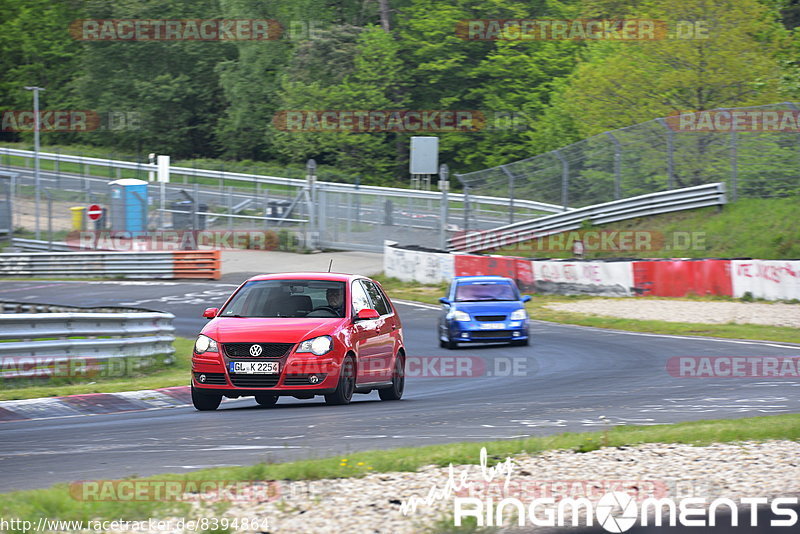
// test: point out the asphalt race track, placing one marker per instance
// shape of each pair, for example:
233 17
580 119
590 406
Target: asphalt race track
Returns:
566 380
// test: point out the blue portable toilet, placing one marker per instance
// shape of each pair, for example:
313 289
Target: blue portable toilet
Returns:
128 205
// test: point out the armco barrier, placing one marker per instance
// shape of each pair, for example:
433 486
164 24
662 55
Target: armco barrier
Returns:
182 264
698 196
197 264
40 345
766 279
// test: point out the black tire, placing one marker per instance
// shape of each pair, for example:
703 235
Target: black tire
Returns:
347 384
521 343
266 400
442 344
205 402
398 381
450 344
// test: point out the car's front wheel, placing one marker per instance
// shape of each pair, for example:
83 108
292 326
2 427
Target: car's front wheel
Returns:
347 383
266 400
205 402
398 381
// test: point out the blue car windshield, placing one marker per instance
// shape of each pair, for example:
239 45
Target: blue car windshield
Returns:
480 291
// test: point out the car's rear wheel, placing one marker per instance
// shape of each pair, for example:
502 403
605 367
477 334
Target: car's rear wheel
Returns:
398 381
205 402
266 400
347 383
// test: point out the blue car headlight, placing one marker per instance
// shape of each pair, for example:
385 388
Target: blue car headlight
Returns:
458 315
519 315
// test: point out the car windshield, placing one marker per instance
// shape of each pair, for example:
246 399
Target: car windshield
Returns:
288 298
475 291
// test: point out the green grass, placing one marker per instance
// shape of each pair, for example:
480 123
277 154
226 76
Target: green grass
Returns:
537 310
176 374
56 502
755 228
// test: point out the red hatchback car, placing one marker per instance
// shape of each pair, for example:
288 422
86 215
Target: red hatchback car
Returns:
300 334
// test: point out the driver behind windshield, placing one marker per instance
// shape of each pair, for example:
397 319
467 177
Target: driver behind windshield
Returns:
335 298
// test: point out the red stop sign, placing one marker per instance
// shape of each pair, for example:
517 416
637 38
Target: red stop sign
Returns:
94 212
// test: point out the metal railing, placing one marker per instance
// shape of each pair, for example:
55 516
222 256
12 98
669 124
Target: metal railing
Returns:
652 204
177 264
342 215
72 344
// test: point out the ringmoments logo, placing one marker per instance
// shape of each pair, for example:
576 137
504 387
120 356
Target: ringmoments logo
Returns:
616 510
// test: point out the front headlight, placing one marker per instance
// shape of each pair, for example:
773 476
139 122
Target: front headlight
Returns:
318 345
458 315
519 315
205 344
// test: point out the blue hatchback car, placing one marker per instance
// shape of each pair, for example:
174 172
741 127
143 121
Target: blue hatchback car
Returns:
483 309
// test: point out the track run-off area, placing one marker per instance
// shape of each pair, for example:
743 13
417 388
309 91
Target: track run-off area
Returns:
571 378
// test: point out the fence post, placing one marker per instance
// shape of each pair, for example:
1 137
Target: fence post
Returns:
510 194
617 165
564 179
230 207
466 207
49 221
444 185
670 153
196 207
734 165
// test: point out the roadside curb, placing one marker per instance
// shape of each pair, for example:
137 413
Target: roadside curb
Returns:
94 404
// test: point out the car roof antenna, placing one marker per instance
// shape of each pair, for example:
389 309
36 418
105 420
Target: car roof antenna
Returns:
330 265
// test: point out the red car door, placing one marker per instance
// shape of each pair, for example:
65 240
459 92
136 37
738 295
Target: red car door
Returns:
385 332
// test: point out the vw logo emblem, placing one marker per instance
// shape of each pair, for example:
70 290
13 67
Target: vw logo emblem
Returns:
255 350
313 379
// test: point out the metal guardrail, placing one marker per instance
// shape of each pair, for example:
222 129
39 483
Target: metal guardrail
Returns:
40 245
177 264
136 339
651 204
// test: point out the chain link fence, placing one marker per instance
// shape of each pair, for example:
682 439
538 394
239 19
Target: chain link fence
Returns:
300 213
655 156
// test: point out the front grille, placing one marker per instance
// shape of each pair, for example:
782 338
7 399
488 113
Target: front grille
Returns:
268 350
302 380
490 317
213 379
254 381
491 333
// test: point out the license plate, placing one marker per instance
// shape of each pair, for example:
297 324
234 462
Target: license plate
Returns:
492 326
255 368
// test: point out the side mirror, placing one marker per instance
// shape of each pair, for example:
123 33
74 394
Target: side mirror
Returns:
444 300
367 314
526 298
210 313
